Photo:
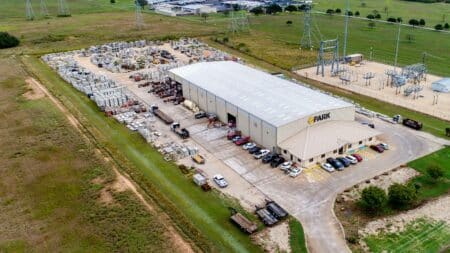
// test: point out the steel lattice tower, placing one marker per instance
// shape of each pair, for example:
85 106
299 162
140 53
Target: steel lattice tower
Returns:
328 47
29 10
306 41
139 19
44 11
239 23
63 8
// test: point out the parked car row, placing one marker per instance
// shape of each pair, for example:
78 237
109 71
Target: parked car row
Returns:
339 163
380 147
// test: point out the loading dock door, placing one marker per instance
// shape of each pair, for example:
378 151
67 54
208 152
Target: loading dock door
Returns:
231 118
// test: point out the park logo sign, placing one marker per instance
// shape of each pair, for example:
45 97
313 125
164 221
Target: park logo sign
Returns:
318 118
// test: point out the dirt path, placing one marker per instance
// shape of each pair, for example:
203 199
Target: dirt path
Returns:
122 180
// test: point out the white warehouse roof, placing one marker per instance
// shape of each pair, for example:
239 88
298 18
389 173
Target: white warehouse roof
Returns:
272 99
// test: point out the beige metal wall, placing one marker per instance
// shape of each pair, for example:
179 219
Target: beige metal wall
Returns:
221 109
292 128
243 122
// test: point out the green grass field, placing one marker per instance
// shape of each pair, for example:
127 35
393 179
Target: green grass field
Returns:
432 13
431 188
48 200
419 236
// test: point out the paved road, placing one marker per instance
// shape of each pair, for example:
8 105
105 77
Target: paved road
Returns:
312 202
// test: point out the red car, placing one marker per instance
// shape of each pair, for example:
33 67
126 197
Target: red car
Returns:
242 140
233 133
357 157
377 148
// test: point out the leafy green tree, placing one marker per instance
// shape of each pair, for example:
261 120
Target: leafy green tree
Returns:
357 13
435 172
289 22
330 11
236 7
257 10
338 10
446 26
204 16
373 199
438 27
378 16
273 9
370 16
399 19
112 1
422 22
7 40
401 196
291 8
350 13
413 22
142 3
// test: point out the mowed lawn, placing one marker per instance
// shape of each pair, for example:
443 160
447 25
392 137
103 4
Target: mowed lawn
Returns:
433 13
421 235
429 187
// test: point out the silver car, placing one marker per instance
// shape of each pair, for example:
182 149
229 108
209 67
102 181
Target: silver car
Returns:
220 181
327 167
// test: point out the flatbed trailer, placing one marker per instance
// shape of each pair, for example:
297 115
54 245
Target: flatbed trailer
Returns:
245 224
160 114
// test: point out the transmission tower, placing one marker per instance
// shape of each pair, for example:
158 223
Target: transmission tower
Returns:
306 42
139 19
328 54
29 10
63 8
239 22
347 9
44 11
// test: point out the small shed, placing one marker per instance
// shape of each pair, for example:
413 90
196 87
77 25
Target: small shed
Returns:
442 85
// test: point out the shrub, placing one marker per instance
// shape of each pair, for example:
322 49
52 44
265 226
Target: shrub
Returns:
289 22
401 196
447 26
392 19
370 16
330 11
373 199
338 10
399 19
7 40
438 27
350 13
112 1
357 13
435 172
378 16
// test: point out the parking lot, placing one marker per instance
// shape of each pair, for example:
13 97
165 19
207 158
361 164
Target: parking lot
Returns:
310 196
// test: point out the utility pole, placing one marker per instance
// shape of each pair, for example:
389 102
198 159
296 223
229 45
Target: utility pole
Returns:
347 9
396 47
29 10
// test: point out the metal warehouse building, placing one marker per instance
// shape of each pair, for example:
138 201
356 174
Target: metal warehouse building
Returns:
302 124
